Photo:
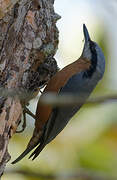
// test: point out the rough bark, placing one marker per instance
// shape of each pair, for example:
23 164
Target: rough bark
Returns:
28 42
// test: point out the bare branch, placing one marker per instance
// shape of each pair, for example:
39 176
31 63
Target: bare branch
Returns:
55 99
70 99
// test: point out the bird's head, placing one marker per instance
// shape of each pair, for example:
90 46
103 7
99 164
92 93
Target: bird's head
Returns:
93 52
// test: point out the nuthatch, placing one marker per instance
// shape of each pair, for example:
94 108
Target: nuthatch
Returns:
80 78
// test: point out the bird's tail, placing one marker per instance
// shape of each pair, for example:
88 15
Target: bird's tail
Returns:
37 151
34 141
28 149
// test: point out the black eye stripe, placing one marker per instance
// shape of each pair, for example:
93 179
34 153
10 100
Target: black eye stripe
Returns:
92 46
89 73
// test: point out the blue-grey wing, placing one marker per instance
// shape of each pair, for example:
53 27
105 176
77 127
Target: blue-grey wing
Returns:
78 85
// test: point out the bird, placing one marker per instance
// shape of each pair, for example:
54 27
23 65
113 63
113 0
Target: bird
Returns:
79 78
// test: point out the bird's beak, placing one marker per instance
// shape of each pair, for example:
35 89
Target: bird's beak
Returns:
86 34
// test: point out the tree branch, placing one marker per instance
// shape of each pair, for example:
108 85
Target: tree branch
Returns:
57 100
28 42
70 99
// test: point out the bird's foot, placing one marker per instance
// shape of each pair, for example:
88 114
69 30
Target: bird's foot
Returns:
25 111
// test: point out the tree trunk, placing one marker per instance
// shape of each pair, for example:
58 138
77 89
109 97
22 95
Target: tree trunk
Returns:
28 42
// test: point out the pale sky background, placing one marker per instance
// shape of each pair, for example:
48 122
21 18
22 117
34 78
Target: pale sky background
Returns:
97 15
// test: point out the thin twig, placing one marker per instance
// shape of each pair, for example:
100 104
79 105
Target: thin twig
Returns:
69 99
57 100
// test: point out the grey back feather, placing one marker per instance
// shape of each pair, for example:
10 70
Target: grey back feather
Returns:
76 85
